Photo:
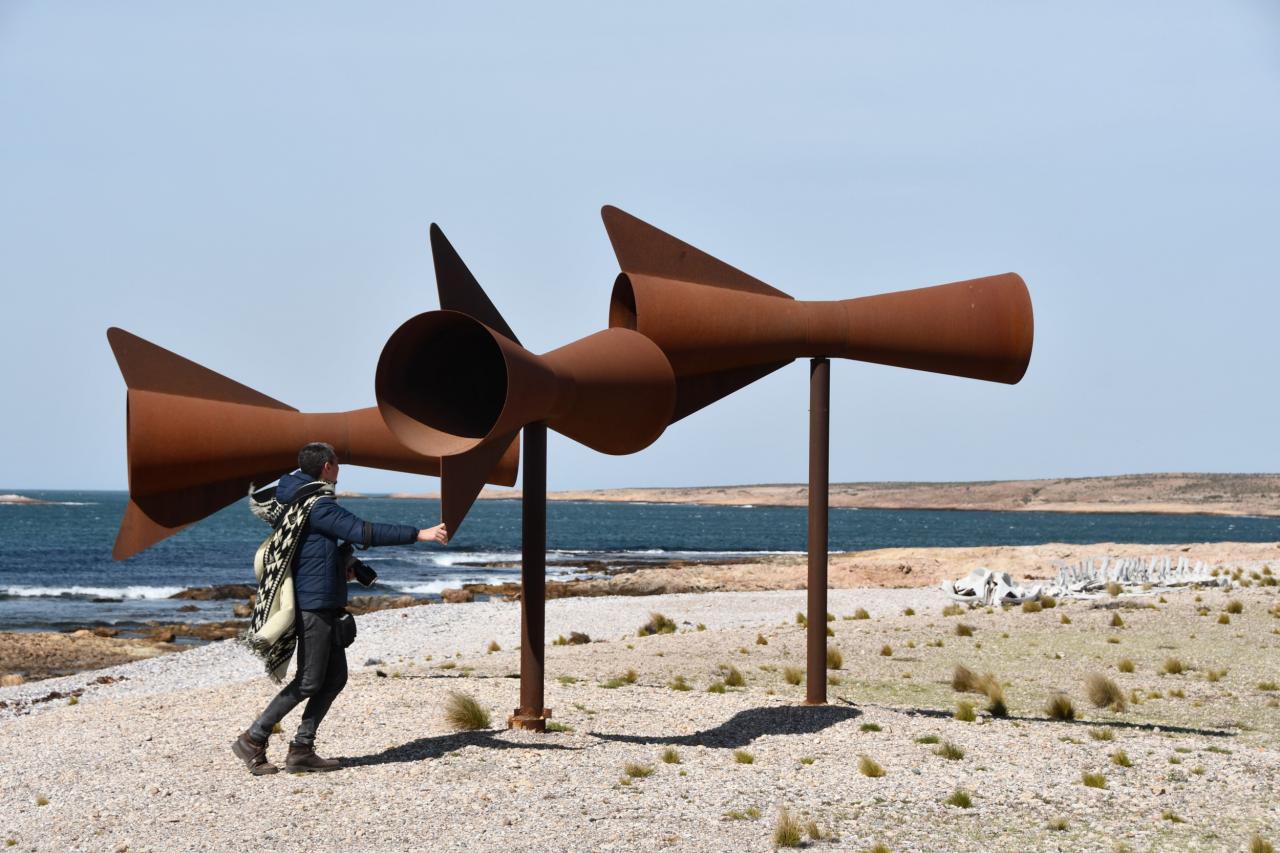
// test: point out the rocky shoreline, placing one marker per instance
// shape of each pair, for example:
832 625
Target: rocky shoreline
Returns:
33 656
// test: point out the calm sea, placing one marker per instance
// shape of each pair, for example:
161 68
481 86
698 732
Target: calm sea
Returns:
55 560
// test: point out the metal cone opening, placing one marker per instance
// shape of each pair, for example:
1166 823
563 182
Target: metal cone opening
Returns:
441 383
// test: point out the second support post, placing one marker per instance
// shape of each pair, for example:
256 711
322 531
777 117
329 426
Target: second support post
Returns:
819 464
533 581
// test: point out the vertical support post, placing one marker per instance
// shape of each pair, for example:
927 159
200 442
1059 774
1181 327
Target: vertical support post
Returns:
819 465
533 582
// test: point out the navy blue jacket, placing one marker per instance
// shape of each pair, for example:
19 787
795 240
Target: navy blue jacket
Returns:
319 570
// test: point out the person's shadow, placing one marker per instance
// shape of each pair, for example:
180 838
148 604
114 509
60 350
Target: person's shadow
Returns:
745 726
434 747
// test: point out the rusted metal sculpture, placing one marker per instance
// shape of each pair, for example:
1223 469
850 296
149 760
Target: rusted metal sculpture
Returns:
197 439
456 383
722 329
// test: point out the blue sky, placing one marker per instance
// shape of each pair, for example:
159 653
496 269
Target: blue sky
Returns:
230 180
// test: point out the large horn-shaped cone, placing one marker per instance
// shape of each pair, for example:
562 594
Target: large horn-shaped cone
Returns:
718 325
448 384
197 440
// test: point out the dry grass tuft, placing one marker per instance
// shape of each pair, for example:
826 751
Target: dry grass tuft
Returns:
886 651
787 832
927 739
1104 693
1235 606
964 630
965 680
1059 707
960 798
1120 758
910 611
1173 666
1102 734
741 756
716 687
1224 619
861 613
793 674
949 751
952 610
835 660
1093 780
995 698
670 756
657 624
802 620
868 766
1114 589
679 683
1116 621
493 647
1032 607
733 677
1125 665
636 770
1215 674
761 640
869 727
1258 844
630 676
1064 619
1057 824
464 713
964 712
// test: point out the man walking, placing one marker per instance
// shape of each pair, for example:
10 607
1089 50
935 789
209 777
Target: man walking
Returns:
309 526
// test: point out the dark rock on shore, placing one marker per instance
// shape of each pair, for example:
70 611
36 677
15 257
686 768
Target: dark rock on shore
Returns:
216 593
358 605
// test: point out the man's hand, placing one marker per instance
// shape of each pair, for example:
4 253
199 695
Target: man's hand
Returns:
434 534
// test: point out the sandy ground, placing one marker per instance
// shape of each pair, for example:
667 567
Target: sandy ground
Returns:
143 763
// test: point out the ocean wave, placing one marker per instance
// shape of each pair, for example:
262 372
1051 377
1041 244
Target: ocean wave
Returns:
455 557
133 592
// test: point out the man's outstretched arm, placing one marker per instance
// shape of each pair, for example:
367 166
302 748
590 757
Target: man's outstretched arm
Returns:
330 518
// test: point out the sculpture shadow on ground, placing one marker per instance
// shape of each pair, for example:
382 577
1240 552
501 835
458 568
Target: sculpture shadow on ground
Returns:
745 726
1112 724
440 745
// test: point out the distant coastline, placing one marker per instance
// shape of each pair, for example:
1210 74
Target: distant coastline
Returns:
1175 494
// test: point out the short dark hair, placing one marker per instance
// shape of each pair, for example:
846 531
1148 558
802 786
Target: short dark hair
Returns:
312 457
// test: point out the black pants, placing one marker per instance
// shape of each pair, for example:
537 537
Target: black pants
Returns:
320 677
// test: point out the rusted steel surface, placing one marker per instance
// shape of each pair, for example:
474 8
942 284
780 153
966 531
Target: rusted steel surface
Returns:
531 714
819 456
197 439
455 385
722 329
712 319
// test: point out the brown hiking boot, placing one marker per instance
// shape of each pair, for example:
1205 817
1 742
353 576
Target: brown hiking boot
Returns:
253 754
303 759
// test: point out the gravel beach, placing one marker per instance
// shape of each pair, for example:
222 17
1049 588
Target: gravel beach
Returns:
143 762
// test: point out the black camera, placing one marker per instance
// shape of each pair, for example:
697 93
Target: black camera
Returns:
365 576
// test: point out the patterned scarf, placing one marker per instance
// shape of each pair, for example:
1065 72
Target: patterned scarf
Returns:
271 634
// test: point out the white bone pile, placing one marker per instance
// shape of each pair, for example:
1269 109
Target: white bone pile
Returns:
1092 576
983 587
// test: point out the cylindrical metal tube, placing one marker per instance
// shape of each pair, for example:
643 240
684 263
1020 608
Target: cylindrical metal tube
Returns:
819 464
533 585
